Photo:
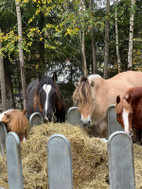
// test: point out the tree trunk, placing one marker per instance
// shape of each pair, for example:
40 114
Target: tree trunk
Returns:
93 44
9 87
131 33
106 40
83 53
117 40
21 55
2 81
41 46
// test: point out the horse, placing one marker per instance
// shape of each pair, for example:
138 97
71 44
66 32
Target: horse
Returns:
16 121
93 95
129 112
44 96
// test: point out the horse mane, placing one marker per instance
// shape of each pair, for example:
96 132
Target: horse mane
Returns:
51 81
123 104
16 121
83 93
60 102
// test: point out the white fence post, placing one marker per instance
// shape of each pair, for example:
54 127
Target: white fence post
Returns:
113 124
3 133
59 162
14 165
121 163
35 119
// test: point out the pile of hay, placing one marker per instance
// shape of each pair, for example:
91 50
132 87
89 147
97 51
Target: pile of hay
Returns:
89 159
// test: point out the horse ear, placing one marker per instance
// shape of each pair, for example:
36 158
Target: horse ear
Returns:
54 76
7 115
92 83
39 76
128 99
76 84
24 111
117 99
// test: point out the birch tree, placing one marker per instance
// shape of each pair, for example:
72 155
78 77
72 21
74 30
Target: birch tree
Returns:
131 33
21 54
106 40
82 37
93 43
117 38
2 81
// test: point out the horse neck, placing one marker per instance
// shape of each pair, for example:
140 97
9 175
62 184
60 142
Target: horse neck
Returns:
60 100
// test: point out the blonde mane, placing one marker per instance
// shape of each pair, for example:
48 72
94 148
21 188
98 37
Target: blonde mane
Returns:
83 95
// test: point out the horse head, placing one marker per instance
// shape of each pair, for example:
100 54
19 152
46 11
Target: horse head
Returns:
83 98
124 112
47 97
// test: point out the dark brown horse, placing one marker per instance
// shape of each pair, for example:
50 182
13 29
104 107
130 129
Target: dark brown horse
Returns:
129 111
44 96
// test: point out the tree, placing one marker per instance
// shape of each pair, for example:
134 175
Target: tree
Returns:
21 55
106 56
93 43
131 33
117 39
2 81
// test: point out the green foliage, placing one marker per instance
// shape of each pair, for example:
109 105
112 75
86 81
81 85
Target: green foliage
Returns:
51 30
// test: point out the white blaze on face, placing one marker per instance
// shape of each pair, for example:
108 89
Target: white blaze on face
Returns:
125 117
86 121
47 89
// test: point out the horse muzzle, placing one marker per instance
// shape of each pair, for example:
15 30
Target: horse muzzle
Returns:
85 122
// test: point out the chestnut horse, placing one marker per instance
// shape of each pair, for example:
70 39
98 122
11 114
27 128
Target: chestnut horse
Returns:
15 121
93 95
129 111
44 96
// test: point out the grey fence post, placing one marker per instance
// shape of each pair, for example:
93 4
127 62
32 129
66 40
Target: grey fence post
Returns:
113 124
59 162
73 116
35 119
3 133
14 165
121 163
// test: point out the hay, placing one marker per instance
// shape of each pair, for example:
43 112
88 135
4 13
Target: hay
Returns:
89 159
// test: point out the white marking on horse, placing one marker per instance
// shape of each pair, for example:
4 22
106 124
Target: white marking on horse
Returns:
47 89
94 76
125 116
3 113
86 121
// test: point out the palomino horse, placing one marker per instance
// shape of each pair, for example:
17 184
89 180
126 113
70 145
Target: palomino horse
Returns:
44 96
93 96
129 111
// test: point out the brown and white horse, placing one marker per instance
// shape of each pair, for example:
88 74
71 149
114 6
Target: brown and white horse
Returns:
44 96
93 96
129 111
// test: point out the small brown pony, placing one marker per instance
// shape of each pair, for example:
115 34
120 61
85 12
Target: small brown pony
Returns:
129 111
93 96
16 121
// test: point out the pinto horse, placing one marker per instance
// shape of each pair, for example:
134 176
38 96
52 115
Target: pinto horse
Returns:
93 95
44 96
129 111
